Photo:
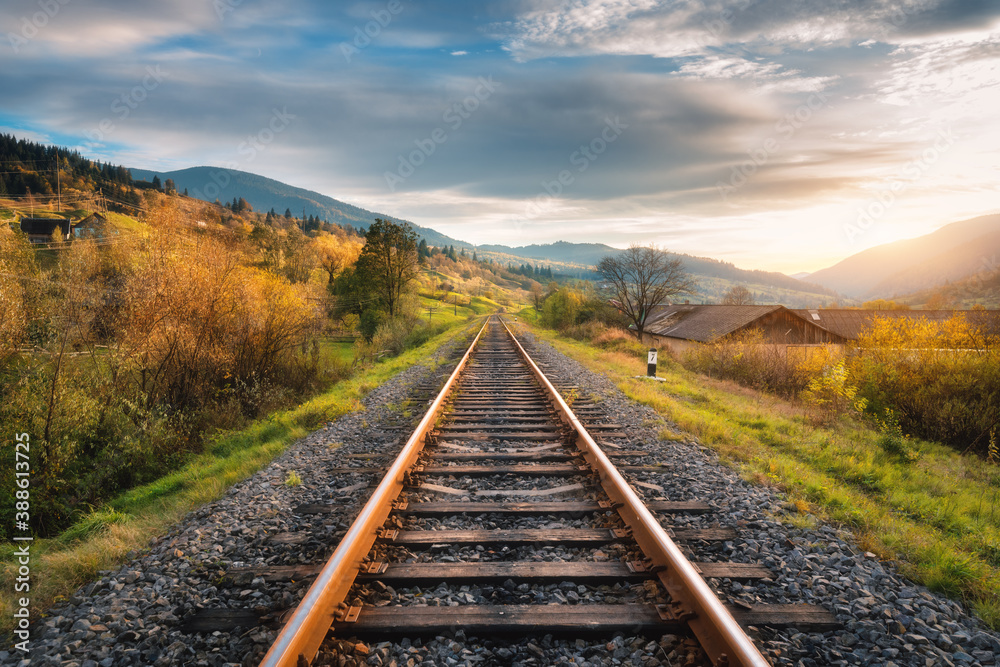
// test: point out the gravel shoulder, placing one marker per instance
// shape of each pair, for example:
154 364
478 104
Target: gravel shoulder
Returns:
887 619
135 614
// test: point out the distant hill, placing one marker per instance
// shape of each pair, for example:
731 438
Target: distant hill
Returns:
573 259
982 288
586 255
582 254
954 252
211 183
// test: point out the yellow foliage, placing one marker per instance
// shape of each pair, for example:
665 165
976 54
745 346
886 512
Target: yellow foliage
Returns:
832 392
337 252
15 258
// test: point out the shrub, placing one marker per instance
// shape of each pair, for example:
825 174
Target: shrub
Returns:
833 393
560 308
745 358
940 380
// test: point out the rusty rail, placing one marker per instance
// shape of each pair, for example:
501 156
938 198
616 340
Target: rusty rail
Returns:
693 601
718 632
304 632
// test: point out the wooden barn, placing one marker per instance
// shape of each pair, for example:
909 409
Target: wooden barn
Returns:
684 326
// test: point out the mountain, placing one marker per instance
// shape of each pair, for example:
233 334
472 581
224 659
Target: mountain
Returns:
951 253
589 254
714 277
982 288
570 259
583 254
801 275
211 183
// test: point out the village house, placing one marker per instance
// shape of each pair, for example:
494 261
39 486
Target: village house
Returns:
40 230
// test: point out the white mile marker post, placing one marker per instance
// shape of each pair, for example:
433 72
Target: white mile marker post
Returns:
651 363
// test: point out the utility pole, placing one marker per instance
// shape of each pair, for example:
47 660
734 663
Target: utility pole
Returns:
430 311
456 305
58 186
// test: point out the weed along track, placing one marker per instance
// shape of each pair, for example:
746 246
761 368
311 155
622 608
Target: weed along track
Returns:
511 515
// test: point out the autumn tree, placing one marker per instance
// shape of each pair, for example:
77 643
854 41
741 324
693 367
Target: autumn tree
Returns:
336 252
388 261
884 304
738 295
642 277
298 255
18 272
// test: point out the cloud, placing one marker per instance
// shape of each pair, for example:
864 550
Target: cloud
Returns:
94 30
693 27
702 86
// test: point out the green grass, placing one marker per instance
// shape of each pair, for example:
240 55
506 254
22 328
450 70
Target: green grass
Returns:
938 516
104 538
332 349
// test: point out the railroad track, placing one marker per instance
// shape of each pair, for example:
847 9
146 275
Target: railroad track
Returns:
501 485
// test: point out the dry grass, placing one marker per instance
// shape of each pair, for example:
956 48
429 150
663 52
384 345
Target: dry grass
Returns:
126 525
938 517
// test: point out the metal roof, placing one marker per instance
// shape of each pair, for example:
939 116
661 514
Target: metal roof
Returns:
702 323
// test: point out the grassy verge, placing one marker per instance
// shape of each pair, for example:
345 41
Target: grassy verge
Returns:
938 516
106 537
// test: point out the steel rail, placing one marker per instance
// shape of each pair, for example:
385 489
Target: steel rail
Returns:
304 632
720 635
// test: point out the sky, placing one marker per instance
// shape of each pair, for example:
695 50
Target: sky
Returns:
775 135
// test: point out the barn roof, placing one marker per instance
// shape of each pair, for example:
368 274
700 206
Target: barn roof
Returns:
44 226
702 323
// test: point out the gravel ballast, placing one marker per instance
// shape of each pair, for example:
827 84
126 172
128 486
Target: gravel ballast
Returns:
136 614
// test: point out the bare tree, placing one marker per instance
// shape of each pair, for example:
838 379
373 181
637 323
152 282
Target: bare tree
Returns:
642 277
738 295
